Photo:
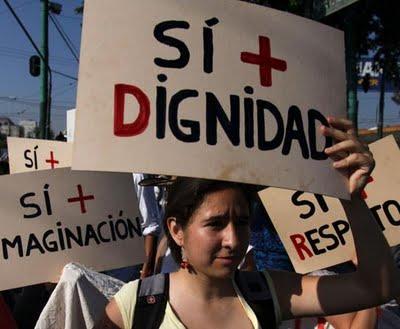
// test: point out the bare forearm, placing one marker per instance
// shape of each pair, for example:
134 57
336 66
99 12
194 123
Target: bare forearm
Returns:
150 246
375 262
365 319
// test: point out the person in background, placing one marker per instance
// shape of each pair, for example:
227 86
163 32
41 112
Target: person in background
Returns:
152 214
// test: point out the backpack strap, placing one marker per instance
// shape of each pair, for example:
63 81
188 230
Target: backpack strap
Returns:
151 301
255 290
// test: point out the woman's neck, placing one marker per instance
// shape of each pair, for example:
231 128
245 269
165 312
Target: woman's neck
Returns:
203 286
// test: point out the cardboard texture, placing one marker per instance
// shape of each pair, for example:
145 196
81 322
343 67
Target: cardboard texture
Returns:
328 239
188 98
26 154
41 211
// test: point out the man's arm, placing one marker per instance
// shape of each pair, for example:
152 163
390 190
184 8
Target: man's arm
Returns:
150 250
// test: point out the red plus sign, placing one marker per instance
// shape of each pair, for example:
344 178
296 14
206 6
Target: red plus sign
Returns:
265 61
81 198
363 193
52 161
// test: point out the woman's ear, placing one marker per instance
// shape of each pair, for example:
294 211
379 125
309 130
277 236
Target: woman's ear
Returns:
176 230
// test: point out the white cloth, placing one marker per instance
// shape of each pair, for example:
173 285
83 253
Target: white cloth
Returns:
148 206
78 300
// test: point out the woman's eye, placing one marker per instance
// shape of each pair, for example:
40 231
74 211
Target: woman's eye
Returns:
215 224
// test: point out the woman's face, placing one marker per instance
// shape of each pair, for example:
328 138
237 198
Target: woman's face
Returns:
217 235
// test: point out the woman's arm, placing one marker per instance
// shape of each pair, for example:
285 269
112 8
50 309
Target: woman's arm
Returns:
376 279
365 319
111 318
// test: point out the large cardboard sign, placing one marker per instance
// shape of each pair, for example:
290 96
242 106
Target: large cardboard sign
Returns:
26 154
314 228
216 89
53 217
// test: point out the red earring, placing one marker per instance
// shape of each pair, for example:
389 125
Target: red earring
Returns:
184 262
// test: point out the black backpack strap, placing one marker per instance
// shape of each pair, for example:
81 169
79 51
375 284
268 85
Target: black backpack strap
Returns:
255 290
151 301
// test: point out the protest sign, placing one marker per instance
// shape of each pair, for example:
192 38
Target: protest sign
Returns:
53 217
314 229
215 89
26 154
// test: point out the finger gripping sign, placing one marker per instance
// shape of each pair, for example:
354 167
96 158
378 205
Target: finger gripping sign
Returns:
51 218
175 81
26 154
314 228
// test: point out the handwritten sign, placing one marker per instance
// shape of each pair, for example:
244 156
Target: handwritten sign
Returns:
215 89
314 229
50 218
26 154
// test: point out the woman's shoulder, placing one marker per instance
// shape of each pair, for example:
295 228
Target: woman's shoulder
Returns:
126 301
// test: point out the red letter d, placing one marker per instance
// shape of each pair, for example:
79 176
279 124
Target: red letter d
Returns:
140 124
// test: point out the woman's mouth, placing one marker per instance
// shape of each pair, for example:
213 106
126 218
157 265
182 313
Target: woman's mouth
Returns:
227 260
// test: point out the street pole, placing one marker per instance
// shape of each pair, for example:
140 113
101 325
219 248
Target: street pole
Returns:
351 73
382 99
44 124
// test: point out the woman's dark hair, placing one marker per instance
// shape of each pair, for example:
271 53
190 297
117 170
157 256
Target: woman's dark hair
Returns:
185 195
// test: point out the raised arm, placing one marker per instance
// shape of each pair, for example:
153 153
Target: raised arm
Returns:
376 279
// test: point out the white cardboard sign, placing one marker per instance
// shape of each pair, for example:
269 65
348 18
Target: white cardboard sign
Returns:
315 230
216 89
26 154
53 217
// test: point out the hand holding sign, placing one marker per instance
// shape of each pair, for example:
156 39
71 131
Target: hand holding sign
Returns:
316 233
350 155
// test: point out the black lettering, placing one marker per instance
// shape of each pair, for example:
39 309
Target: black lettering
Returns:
314 241
22 201
391 219
161 106
295 119
184 54
263 144
194 126
100 235
123 235
47 199
208 45
35 156
249 118
297 202
112 229
16 242
374 211
331 236
215 113
341 227
33 243
90 234
30 162
50 246
69 235
322 202
134 228
313 116
60 236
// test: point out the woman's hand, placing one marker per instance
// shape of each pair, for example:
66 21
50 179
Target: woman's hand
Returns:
351 157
